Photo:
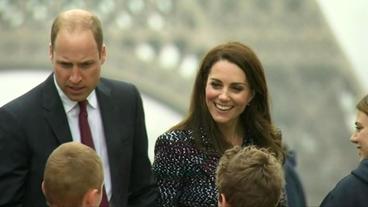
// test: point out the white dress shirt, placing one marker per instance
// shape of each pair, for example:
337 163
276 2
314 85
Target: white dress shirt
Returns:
95 122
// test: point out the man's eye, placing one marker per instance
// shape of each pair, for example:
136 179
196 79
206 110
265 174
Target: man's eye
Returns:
86 65
66 65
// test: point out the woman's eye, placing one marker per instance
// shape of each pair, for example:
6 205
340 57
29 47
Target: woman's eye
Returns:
215 85
237 88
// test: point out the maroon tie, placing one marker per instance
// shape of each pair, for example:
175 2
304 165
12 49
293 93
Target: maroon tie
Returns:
86 138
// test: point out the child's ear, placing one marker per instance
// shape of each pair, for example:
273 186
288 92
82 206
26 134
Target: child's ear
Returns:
222 201
44 192
43 187
92 198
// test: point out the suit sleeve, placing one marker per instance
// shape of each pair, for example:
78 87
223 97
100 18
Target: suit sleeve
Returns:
14 165
143 190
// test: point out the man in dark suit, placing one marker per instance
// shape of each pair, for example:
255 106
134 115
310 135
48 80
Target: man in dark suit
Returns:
33 125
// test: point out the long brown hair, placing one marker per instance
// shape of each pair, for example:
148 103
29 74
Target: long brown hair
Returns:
256 118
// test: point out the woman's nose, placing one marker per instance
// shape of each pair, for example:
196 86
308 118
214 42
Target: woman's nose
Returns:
224 95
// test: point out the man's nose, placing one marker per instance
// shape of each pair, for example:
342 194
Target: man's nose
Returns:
75 76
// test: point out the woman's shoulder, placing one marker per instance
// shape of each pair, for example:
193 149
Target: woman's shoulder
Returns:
174 146
175 139
176 135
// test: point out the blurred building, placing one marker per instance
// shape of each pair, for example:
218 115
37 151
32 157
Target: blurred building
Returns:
158 45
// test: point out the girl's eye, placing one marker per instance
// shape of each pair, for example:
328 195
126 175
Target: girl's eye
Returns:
358 128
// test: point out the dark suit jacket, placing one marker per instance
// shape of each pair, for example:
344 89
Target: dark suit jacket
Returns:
33 125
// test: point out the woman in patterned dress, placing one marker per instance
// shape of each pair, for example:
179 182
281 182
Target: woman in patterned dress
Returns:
229 106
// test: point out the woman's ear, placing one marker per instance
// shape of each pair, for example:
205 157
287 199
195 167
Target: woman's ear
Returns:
251 97
253 94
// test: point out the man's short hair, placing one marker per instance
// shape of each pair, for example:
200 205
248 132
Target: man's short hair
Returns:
71 171
250 177
77 20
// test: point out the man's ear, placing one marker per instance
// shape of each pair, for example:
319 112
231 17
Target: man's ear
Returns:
103 54
51 55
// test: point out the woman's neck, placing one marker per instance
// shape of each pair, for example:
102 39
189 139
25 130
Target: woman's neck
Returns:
233 133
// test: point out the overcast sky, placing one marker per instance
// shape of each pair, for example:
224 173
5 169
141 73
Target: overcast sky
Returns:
349 20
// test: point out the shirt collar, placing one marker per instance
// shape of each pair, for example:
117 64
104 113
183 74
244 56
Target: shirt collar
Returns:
69 104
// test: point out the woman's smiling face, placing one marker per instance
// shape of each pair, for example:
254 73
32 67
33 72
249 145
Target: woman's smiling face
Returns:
227 92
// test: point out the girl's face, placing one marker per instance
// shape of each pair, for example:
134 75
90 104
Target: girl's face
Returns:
360 136
227 92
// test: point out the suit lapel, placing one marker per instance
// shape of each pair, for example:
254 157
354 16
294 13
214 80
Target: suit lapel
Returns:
53 111
109 117
112 129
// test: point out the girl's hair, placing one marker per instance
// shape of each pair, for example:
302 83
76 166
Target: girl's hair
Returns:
363 105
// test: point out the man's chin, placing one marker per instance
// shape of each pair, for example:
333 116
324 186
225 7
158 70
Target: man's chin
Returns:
76 98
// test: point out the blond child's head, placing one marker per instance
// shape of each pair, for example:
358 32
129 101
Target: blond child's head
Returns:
249 177
73 176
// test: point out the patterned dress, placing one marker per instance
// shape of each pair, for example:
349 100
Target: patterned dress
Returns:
185 174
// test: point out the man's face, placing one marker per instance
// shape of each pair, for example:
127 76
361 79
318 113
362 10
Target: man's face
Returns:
77 63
